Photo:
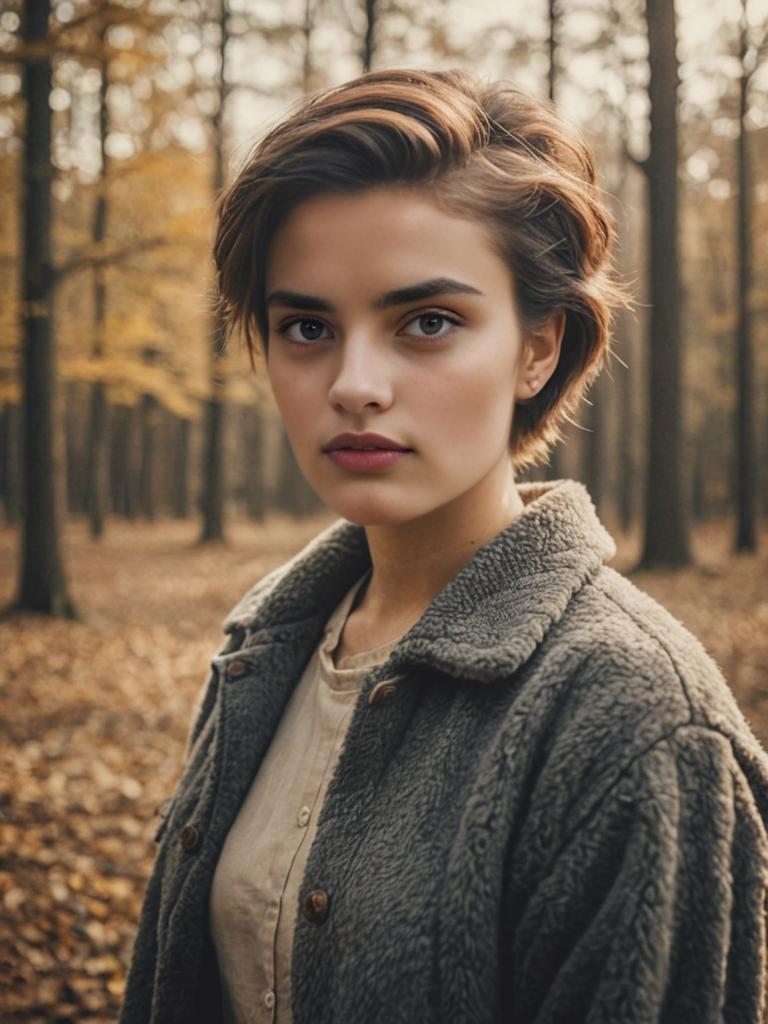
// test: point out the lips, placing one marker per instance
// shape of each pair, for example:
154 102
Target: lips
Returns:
364 441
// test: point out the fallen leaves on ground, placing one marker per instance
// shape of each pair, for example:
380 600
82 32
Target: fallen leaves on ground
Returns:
94 714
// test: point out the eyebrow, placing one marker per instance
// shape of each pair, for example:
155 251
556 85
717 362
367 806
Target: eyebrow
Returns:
396 297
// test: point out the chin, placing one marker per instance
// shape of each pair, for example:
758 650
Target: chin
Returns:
371 512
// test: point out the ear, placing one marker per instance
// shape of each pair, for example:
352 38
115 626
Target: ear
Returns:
539 357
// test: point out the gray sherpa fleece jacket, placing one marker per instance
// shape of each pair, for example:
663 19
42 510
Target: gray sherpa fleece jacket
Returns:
548 806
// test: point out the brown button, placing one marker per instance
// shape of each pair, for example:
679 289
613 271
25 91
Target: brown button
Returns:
381 691
316 906
235 669
190 837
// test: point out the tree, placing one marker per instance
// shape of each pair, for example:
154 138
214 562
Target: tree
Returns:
666 528
96 477
42 579
293 493
369 35
213 448
553 18
746 462
553 21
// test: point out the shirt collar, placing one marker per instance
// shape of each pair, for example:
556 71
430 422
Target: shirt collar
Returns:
488 619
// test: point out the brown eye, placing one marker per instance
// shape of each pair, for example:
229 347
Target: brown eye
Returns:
431 323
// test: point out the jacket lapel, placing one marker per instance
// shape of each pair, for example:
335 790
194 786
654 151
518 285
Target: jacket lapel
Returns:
255 684
492 615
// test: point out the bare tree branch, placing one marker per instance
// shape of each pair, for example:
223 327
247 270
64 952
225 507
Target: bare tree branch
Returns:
91 259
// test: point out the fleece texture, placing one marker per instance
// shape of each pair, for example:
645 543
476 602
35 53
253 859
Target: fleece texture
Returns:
556 812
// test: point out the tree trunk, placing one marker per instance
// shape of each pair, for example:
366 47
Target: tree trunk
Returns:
4 455
554 470
552 34
98 440
134 463
118 460
624 419
699 483
180 497
73 450
307 73
123 461
745 462
9 461
253 468
595 447
666 527
213 447
627 485
96 459
213 454
147 473
42 579
369 39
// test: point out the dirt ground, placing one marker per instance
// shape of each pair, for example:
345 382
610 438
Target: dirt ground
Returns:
94 713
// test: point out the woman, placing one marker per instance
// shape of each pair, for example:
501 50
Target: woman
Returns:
449 766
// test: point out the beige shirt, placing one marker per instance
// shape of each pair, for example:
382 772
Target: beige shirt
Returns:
255 889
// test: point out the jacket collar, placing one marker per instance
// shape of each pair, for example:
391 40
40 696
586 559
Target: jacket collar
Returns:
491 616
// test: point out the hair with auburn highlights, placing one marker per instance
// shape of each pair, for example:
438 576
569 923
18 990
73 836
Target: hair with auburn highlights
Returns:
480 149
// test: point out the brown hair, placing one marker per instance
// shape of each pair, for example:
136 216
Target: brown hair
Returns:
485 150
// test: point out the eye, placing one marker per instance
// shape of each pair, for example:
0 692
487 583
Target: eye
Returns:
312 331
428 320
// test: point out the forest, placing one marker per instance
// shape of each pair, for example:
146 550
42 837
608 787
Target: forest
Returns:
145 477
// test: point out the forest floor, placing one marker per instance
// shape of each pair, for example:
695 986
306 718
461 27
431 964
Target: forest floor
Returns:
94 714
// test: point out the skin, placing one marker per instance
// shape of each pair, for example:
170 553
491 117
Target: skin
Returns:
445 390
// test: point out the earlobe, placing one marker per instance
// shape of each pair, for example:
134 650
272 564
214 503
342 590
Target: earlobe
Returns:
528 388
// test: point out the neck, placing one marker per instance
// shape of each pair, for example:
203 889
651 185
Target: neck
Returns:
413 561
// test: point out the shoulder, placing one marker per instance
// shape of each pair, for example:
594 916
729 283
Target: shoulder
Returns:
621 634
632 675
683 655
622 700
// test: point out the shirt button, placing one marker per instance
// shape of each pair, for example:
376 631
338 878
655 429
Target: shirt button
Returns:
382 691
190 837
304 815
236 668
269 998
315 906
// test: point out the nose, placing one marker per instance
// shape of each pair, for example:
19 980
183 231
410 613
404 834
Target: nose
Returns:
362 377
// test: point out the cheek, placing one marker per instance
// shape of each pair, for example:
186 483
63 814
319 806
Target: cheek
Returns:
293 392
470 402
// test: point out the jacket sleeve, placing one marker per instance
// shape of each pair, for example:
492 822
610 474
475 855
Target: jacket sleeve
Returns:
653 908
136 1007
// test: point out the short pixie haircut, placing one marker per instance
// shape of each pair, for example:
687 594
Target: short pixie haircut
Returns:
480 149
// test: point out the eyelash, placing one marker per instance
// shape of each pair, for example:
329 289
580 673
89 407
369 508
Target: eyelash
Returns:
283 328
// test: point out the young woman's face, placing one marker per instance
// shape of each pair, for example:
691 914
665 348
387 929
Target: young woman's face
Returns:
436 373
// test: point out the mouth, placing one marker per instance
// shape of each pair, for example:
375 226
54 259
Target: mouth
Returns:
364 442
367 458
373 448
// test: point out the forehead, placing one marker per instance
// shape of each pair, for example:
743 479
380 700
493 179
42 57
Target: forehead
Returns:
376 232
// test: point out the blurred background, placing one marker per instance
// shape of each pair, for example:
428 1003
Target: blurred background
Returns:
145 479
